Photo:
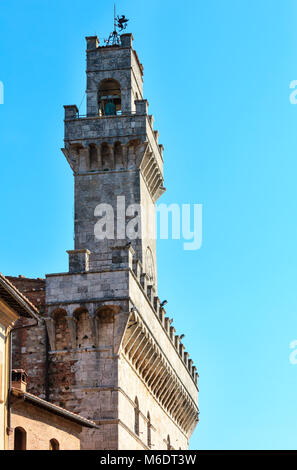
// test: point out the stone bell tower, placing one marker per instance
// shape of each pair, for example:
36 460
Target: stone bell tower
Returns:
115 156
114 356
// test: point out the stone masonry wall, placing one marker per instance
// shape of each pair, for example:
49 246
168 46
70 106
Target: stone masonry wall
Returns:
117 62
102 188
162 425
29 344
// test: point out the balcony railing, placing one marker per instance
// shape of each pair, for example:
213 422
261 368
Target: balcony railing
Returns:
98 116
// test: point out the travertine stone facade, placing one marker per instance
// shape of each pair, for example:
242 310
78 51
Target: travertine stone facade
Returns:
112 353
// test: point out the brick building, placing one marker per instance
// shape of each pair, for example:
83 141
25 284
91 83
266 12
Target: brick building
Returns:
37 424
12 305
27 421
105 348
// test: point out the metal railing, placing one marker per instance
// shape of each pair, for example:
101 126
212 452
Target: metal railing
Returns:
98 116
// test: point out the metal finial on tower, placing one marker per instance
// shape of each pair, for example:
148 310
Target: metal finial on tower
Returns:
119 24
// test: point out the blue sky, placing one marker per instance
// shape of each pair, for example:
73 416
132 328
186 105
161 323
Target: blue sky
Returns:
217 75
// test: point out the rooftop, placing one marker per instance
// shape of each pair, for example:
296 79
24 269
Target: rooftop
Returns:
52 408
16 300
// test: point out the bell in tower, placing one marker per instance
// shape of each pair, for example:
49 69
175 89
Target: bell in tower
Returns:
109 98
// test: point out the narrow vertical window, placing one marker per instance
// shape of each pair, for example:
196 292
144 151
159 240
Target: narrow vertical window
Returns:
168 443
20 439
54 445
136 422
149 431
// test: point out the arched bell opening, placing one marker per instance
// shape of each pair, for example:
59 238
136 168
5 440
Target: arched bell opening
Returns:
109 98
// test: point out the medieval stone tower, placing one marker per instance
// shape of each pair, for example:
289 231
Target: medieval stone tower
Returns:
113 354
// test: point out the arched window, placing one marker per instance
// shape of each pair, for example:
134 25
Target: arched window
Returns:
54 444
136 422
168 443
149 431
109 98
20 439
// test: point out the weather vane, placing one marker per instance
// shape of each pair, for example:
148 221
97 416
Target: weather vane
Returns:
119 24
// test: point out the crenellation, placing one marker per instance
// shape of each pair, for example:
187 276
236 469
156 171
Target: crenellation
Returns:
181 351
92 42
157 303
172 333
71 111
127 40
150 291
162 313
161 148
141 107
79 261
177 342
190 364
137 269
143 281
167 324
151 120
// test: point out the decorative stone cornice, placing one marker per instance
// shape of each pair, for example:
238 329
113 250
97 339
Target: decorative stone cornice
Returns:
148 360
